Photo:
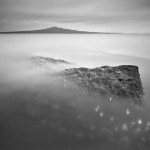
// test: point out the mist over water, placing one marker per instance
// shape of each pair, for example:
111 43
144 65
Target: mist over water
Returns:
41 110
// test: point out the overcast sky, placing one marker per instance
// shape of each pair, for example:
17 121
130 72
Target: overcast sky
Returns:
92 15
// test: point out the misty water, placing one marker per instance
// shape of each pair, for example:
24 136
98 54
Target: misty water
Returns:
42 111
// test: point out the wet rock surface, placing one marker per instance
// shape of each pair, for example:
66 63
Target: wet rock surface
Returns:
122 81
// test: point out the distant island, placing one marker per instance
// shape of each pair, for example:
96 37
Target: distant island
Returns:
55 30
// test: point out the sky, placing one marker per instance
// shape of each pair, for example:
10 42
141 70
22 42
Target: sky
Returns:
88 15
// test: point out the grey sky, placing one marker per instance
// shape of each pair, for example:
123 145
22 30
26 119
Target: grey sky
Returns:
92 15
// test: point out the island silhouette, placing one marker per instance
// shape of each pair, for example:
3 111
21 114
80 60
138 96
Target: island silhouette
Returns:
55 30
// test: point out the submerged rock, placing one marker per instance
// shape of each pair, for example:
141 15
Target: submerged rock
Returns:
122 81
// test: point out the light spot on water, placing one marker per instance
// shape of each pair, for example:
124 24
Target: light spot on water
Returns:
124 127
116 128
110 99
97 108
127 112
148 124
133 123
139 121
101 114
111 119
143 139
137 130
65 83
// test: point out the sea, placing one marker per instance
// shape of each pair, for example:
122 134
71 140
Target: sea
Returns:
40 111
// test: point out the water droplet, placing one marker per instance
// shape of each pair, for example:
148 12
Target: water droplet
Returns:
139 121
137 130
124 127
148 124
111 119
143 139
133 123
101 114
127 112
97 108
116 128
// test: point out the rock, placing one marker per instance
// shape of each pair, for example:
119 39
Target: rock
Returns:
121 81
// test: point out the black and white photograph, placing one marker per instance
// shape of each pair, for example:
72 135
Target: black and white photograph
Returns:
74 74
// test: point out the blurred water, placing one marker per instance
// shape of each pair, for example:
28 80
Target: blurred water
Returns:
39 110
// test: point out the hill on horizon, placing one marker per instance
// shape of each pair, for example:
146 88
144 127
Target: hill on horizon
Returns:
55 30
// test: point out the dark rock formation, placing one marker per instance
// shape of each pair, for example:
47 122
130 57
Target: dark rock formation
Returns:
122 81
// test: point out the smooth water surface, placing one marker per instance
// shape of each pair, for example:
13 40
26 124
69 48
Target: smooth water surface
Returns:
42 111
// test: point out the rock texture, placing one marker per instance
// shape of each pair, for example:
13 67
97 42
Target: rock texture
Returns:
122 81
